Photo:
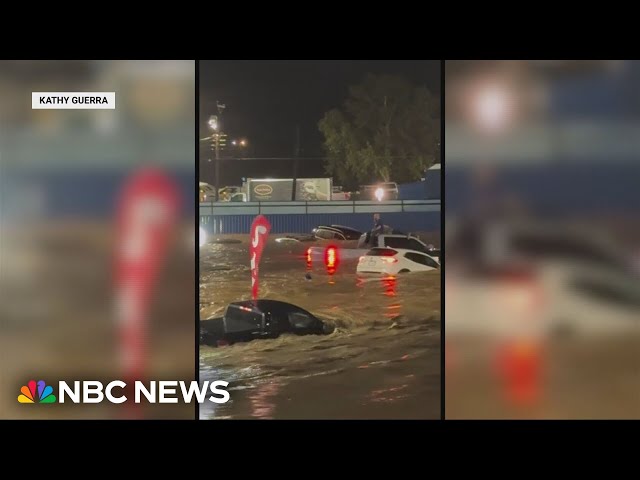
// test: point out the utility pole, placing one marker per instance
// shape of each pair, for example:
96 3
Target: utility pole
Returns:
217 142
216 147
296 154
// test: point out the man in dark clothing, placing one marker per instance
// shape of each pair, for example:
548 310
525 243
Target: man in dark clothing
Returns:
378 228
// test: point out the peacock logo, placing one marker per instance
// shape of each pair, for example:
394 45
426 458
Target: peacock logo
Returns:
44 391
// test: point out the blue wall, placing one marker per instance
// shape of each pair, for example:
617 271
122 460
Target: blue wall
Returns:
432 184
412 191
302 217
301 223
427 189
558 189
87 193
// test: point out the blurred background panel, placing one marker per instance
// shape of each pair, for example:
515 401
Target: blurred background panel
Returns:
62 173
542 239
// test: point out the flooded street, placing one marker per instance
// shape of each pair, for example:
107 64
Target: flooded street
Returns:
382 360
57 317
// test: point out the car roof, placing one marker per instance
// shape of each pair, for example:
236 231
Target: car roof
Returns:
402 251
345 228
337 228
399 235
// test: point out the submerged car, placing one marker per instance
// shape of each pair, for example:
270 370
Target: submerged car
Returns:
365 244
249 320
396 260
336 232
546 279
398 240
202 236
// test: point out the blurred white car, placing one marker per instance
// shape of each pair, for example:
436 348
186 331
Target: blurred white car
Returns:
536 281
203 236
393 261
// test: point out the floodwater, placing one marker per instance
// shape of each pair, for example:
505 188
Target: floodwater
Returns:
382 360
57 317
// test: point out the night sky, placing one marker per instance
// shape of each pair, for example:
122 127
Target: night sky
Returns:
265 101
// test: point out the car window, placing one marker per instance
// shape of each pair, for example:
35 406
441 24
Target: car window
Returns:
422 259
431 262
324 234
349 233
397 242
381 252
608 292
299 320
416 245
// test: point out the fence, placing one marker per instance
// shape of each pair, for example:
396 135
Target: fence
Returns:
301 217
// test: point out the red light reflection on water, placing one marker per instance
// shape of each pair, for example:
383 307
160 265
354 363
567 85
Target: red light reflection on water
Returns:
518 366
390 285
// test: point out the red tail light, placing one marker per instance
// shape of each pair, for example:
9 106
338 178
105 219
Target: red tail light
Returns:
331 257
309 255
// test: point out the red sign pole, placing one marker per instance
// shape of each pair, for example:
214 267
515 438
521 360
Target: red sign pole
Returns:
146 215
260 229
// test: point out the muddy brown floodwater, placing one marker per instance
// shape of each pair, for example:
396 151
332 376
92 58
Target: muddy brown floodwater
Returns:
382 361
57 317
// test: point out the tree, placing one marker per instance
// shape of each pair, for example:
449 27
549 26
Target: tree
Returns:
387 130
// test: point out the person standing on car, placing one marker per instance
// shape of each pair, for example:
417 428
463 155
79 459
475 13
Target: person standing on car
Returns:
378 228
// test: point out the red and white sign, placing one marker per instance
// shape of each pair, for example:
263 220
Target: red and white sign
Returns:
146 215
260 229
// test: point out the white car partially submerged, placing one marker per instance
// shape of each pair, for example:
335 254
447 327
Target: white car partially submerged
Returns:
203 236
392 261
395 241
509 280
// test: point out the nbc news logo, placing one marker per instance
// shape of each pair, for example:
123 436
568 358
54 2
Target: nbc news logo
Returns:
92 391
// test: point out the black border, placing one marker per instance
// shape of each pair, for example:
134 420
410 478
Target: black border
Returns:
196 346
442 246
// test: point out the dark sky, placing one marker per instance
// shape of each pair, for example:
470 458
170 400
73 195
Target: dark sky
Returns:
266 99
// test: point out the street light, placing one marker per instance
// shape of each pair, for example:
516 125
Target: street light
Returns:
215 143
213 123
493 107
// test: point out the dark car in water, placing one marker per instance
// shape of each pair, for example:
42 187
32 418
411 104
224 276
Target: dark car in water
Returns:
336 232
251 319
